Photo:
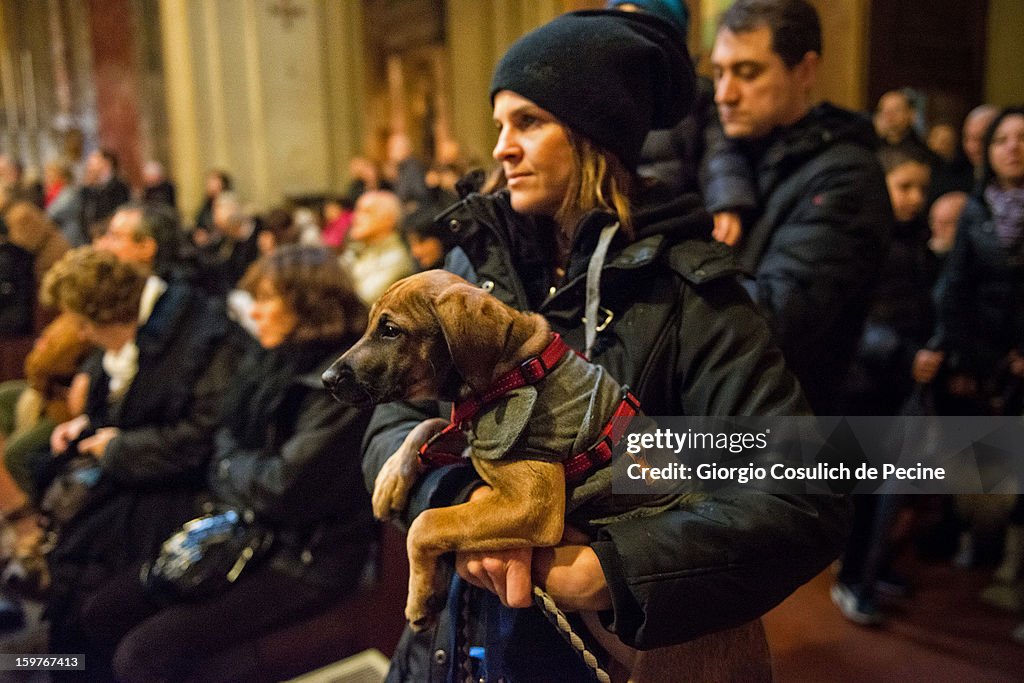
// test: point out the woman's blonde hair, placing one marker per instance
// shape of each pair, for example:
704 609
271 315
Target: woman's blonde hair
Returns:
598 181
95 285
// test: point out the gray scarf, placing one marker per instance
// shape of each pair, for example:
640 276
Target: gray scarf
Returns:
1007 207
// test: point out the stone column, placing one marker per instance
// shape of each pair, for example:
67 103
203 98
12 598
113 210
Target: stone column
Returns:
268 90
478 33
117 86
187 161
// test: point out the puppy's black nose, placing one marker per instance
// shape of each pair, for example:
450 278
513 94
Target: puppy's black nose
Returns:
332 375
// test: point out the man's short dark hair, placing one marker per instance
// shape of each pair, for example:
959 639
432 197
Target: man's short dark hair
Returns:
794 25
421 223
163 225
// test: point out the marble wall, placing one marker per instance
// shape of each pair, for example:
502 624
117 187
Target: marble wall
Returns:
1004 69
268 90
478 34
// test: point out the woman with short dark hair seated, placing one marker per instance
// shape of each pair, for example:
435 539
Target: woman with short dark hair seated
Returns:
284 450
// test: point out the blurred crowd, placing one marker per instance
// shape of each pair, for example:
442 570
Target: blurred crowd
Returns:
178 350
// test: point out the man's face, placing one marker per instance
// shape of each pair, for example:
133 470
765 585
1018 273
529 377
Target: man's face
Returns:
122 238
974 136
754 89
373 219
893 117
945 215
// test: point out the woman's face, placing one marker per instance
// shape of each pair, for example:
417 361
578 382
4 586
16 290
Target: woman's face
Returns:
534 152
274 318
908 189
1006 153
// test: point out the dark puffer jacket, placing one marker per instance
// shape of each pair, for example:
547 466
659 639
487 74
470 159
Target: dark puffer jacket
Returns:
816 240
673 156
981 309
289 452
685 337
900 323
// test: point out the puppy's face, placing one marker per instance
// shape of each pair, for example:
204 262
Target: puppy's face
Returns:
402 355
434 335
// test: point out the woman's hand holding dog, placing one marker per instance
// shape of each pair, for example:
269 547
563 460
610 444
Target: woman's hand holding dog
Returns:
570 572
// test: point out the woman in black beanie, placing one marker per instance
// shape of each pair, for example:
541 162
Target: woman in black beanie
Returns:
628 274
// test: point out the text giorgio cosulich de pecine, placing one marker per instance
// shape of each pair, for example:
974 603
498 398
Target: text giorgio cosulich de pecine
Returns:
738 442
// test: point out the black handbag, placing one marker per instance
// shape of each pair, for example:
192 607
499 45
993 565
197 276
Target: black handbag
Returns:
206 555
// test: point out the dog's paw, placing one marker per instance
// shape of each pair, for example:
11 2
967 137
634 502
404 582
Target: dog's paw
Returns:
391 490
423 617
418 616
419 624
400 471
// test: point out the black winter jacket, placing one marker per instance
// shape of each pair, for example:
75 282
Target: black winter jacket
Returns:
299 469
168 414
981 309
900 322
687 340
673 156
815 241
154 468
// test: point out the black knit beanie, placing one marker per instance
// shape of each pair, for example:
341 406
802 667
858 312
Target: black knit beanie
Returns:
610 76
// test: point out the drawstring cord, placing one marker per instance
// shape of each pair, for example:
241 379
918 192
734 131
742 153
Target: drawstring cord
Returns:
593 303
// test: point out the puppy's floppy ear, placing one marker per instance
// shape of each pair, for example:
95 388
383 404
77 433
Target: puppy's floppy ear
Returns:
482 333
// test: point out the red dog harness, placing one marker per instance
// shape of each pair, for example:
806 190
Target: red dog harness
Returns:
446 447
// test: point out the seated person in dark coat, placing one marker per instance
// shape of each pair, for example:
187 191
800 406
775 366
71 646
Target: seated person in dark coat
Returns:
291 454
155 388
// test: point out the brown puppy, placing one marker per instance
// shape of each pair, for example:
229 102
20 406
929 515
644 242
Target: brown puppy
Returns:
433 335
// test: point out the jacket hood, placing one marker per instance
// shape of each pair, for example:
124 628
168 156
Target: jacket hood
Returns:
679 216
824 125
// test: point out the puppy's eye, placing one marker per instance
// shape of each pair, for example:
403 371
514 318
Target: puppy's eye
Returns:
389 331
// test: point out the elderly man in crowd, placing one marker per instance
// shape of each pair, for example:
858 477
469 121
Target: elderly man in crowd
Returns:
376 256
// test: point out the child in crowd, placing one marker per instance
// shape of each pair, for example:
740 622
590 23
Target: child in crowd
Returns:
337 220
892 358
428 243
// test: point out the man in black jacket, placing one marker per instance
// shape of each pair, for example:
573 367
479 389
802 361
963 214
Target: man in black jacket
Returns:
818 226
104 191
